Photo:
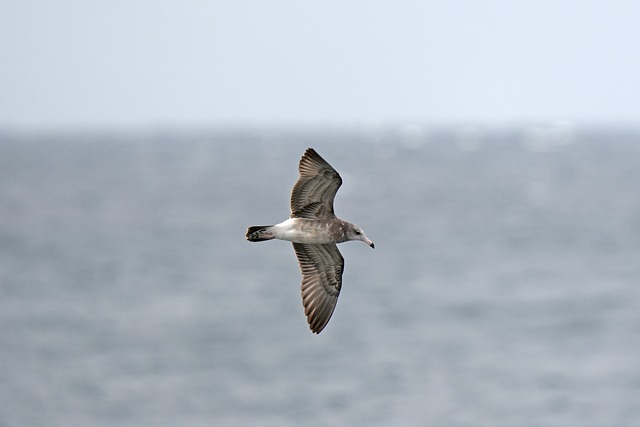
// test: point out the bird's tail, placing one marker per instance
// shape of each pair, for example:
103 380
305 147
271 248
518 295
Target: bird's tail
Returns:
259 233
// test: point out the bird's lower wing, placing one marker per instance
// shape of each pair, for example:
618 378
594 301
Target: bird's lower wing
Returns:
321 267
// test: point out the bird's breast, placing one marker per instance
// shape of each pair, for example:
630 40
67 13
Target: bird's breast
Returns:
302 230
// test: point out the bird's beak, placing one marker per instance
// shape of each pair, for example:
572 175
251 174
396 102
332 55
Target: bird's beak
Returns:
370 243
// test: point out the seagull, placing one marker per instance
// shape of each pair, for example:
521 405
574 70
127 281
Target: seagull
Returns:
314 230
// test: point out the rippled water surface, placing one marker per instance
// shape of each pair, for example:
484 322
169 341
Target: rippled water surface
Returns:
504 289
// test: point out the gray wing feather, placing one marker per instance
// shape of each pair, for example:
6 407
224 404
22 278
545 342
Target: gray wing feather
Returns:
312 195
321 267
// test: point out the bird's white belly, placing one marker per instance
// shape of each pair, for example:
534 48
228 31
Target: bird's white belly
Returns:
301 231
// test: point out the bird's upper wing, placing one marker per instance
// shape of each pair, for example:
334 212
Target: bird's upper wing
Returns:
322 267
312 195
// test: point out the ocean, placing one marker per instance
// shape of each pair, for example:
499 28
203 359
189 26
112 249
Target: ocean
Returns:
504 289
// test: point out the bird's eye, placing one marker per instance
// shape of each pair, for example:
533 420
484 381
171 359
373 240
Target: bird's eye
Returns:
357 233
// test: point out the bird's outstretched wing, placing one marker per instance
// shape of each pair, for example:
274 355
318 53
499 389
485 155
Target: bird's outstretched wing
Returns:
312 195
322 267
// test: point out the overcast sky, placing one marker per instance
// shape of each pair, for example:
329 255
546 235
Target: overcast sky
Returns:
101 63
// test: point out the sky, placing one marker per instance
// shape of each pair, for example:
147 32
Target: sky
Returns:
146 63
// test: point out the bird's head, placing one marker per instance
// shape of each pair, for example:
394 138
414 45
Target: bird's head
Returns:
356 233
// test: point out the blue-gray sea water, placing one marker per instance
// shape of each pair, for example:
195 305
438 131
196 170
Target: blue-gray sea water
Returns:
504 289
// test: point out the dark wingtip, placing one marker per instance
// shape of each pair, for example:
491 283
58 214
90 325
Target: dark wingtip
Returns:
316 329
313 154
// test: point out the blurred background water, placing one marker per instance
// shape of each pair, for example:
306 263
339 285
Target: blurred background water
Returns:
503 290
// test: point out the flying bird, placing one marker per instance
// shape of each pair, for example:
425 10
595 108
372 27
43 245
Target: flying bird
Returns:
314 230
